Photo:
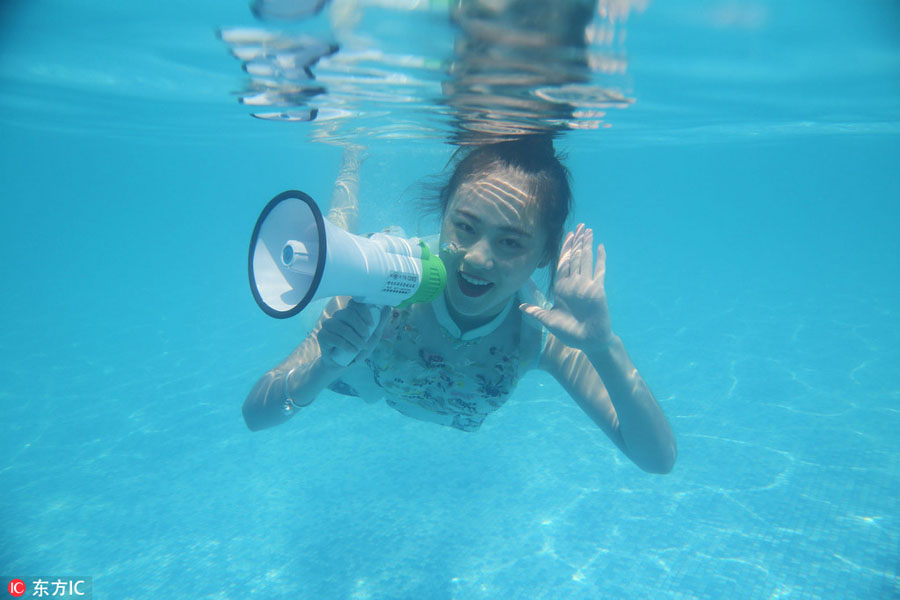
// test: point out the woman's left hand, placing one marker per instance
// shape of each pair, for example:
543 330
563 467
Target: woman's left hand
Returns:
579 317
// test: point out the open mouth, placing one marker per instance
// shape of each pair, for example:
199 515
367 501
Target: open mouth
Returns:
472 286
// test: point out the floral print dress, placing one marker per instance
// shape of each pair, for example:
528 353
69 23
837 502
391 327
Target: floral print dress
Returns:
427 372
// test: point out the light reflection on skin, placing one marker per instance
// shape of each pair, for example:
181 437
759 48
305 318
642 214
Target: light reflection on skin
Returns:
510 201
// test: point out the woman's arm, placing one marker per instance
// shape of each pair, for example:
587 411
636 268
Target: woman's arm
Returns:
309 369
608 387
264 406
591 363
305 373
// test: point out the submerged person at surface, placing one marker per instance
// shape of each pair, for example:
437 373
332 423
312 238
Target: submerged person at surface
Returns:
457 359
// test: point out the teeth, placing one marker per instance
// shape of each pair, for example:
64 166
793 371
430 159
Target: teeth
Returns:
468 279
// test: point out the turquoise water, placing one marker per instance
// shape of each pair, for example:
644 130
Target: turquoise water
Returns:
748 203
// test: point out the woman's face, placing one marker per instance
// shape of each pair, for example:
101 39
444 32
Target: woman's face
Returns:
499 242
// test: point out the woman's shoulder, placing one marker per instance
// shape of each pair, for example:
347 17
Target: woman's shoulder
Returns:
532 335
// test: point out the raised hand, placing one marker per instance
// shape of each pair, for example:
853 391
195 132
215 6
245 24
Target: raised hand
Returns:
579 317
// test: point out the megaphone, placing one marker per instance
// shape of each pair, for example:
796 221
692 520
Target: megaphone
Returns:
297 256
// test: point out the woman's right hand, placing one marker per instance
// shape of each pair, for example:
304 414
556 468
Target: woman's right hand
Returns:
351 332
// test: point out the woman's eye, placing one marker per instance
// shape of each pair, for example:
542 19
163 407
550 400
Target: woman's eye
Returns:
511 244
464 227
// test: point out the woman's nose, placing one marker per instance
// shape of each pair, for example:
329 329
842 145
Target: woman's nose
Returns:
479 255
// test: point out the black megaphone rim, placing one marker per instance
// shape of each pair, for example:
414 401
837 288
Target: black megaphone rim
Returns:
320 262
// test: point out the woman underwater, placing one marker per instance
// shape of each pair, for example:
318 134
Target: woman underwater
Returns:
457 359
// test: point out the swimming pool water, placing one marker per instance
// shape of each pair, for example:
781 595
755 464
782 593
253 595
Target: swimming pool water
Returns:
747 201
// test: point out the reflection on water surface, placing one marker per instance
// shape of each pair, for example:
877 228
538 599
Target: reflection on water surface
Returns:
469 71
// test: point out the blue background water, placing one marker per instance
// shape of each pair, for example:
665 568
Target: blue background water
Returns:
748 202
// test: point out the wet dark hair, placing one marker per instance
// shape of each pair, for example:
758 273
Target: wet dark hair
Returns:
548 182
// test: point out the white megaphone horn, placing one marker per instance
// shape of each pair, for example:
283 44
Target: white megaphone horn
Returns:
297 256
